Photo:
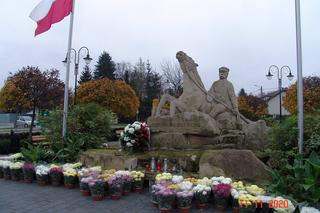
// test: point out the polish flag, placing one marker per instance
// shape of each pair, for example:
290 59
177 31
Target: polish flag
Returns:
48 12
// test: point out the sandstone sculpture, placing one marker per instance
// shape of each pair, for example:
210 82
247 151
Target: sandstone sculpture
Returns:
200 119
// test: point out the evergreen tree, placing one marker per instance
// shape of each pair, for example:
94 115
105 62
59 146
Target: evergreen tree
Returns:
105 67
242 93
86 75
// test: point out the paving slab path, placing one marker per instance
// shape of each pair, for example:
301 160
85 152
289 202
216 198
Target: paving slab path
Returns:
19 197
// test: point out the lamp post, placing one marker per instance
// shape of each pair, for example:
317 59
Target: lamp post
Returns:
86 59
273 69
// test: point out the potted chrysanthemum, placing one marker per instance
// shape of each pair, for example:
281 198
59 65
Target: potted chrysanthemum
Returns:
84 185
96 189
165 197
127 181
42 174
247 203
6 169
28 172
1 169
184 199
154 198
70 178
202 194
56 175
221 194
137 184
16 171
115 183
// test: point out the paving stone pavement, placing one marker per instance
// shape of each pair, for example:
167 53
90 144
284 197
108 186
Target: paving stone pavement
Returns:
19 197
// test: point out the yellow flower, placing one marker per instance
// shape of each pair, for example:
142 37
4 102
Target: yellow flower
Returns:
238 185
255 190
70 172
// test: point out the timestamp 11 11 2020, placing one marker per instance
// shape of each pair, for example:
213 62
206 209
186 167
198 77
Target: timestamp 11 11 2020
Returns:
272 204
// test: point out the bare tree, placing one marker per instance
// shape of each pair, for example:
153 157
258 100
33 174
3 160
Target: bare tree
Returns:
123 70
172 76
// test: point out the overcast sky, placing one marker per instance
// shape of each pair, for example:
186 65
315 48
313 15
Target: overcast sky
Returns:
245 35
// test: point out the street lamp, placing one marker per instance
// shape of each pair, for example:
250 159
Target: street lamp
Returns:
86 59
283 70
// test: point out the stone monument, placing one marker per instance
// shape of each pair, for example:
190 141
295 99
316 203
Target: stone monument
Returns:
201 119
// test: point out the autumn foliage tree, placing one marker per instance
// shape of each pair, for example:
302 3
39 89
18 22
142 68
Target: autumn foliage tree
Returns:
311 93
116 96
252 107
31 89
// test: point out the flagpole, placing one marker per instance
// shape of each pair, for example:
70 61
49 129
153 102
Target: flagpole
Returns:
299 75
66 87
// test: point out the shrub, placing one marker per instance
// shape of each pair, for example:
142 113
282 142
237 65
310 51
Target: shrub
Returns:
4 146
89 123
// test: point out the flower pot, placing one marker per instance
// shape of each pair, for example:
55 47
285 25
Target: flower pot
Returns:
28 180
69 185
97 197
235 210
155 204
221 208
184 209
165 210
115 197
1 173
138 190
41 182
7 177
15 178
125 193
202 206
55 183
85 193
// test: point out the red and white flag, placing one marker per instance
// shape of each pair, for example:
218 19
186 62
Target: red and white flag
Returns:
48 12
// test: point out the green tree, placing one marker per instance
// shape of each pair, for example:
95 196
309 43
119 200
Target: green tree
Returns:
105 67
242 92
86 75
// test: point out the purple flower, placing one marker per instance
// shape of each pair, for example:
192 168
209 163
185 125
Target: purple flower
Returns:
28 166
222 190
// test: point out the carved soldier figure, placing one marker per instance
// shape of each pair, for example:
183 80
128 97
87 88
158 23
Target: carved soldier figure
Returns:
224 101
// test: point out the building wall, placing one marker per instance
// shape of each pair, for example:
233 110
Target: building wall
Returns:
273 105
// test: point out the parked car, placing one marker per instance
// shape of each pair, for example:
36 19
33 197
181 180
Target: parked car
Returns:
25 121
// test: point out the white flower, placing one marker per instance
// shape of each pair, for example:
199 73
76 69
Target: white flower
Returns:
129 144
290 208
185 186
121 134
127 128
177 179
42 170
309 210
204 193
5 164
131 130
126 138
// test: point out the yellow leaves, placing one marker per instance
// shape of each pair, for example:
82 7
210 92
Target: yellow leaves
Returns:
116 96
252 107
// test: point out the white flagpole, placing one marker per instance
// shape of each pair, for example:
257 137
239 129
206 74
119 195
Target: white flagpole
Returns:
299 75
66 87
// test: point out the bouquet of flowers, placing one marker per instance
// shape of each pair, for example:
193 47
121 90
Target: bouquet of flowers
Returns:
56 175
221 194
116 185
96 188
127 180
137 183
28 172
202 195
165 198
42 172
70 177
6 169
184 199
135 137
84 185
16 171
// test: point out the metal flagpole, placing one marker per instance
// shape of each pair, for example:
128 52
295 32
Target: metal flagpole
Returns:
299 75
66 87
